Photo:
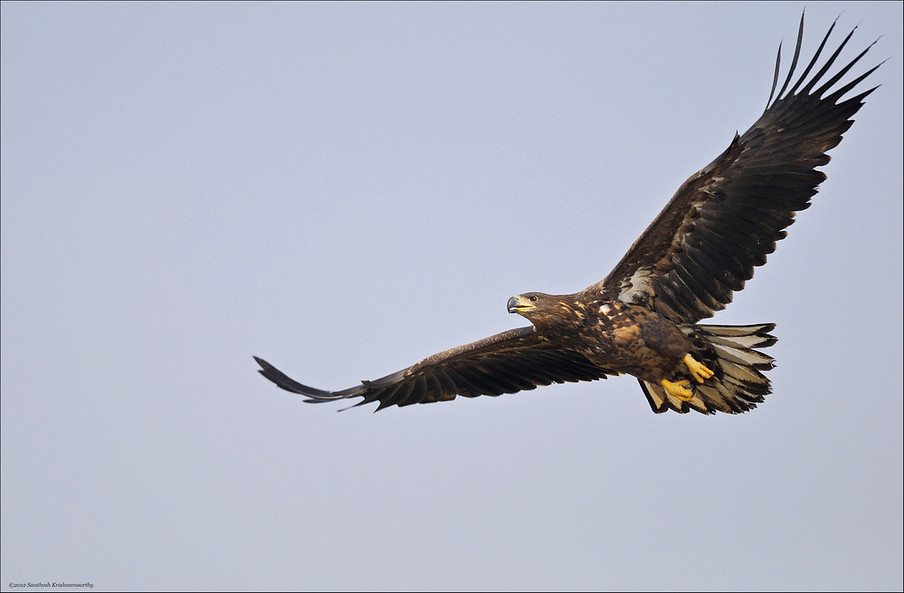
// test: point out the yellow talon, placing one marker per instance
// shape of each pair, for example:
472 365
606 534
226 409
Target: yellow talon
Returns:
698 370
680 389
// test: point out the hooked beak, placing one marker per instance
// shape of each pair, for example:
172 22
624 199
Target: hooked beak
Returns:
517 305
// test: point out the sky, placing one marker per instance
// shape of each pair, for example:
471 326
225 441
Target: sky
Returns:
344 189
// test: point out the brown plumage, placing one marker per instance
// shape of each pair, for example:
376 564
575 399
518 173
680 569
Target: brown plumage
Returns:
642 318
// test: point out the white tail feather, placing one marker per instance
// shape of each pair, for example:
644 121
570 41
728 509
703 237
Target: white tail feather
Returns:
737 385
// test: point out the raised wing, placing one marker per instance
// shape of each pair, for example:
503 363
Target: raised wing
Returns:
726 218
508 362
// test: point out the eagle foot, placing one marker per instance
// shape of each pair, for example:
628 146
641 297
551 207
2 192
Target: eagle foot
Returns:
682 389
698 370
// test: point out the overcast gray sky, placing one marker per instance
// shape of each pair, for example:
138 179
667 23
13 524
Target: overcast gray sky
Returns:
345 189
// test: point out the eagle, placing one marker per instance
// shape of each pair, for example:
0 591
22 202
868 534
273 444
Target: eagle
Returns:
642 318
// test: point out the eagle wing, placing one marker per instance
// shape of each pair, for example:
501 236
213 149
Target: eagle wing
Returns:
725 219
511 361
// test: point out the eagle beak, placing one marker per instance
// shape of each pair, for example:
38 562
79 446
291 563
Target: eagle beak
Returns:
512 305
515 305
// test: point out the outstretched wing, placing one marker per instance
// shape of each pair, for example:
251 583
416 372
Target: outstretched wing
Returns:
512 361
725 219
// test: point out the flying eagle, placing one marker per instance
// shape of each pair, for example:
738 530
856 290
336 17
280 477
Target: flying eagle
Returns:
642 318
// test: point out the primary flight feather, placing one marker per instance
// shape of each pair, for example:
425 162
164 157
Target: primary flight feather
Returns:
642 318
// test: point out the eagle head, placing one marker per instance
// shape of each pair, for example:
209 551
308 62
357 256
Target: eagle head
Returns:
524 304
539 308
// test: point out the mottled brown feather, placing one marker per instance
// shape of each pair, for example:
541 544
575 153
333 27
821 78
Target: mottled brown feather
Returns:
508 362
729 215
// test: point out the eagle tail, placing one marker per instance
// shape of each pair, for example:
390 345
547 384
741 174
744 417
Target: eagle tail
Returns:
738 384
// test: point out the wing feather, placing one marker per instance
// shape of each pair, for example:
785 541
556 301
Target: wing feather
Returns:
508 362
725 219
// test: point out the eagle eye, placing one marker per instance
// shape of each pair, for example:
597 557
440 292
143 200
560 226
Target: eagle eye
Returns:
534 298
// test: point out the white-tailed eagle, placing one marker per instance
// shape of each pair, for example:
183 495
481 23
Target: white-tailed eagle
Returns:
642 318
